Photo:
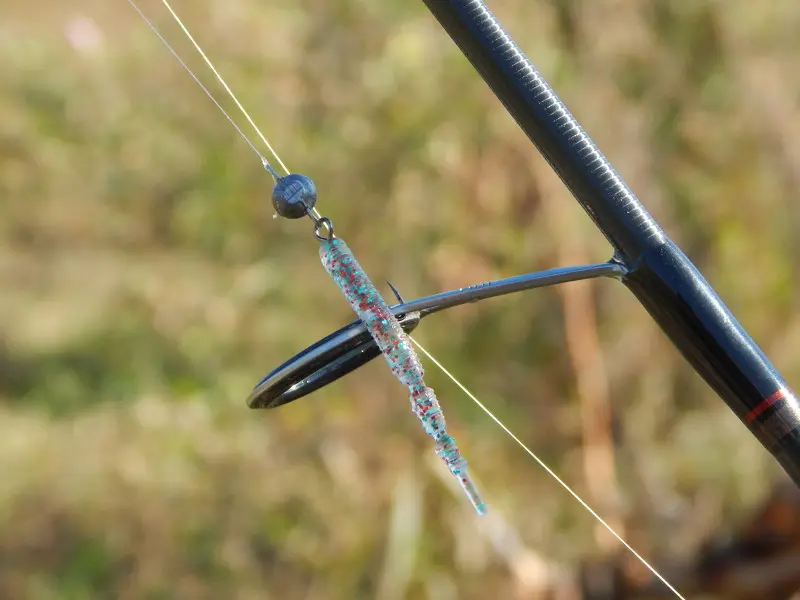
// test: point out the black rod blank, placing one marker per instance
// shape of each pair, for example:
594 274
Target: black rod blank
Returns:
660 275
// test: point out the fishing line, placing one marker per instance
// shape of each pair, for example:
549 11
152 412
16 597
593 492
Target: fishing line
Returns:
225 85
544 466
174 53
325 223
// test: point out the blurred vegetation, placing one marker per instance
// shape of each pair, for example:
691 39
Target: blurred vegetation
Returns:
146 289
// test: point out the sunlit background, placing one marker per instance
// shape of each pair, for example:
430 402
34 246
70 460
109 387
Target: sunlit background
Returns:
146 289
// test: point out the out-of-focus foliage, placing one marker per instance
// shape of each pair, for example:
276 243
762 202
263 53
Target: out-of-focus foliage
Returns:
145 289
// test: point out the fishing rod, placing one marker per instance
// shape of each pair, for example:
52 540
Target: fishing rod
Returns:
657 272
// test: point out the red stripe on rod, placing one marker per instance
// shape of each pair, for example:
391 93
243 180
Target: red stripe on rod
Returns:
765 404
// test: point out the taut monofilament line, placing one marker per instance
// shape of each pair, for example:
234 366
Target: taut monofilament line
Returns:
295 196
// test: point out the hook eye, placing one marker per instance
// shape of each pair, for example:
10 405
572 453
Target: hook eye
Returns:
325 361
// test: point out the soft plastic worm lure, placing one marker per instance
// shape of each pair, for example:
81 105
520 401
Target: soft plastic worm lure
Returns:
293 197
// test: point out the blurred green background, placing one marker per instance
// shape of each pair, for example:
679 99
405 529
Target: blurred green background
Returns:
146 289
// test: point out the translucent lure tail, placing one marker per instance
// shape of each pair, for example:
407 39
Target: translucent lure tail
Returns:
393 342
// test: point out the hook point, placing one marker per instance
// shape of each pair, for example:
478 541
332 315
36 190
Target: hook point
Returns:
395 292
